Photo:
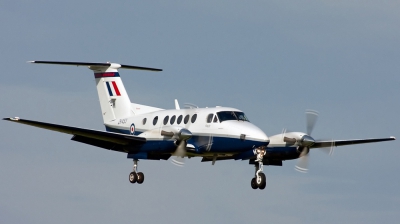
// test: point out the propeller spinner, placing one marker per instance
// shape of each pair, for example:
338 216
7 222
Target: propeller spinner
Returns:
306 141
181 135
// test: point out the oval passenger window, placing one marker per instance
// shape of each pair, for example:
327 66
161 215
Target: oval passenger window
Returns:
186 120
179 119
166 120
194 117
172 119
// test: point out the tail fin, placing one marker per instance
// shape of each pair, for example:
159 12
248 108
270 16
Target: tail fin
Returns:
114 101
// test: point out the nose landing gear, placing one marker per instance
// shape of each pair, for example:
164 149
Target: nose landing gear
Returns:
134 176
259 180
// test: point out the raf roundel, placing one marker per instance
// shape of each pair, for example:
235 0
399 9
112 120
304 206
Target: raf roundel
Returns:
132 129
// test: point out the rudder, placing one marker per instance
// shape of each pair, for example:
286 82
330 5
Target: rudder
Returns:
114 100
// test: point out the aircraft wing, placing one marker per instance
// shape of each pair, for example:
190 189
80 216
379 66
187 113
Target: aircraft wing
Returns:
330 143
103 139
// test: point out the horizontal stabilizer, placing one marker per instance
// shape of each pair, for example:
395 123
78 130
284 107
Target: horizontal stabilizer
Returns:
107 64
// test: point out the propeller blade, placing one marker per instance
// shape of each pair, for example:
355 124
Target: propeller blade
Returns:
302 165
178 161
330 150
311 119
179 154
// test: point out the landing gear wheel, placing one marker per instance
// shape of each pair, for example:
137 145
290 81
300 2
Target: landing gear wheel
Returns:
254 183
261 181
140 177
133 177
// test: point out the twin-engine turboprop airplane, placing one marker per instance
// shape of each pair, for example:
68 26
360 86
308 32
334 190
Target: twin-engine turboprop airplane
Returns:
150 133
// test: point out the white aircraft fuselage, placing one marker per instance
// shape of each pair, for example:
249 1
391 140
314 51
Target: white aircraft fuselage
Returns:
211 132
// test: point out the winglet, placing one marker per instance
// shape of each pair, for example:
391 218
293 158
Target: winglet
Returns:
392 137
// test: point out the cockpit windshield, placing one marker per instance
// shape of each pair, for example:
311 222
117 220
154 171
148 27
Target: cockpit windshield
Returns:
231 115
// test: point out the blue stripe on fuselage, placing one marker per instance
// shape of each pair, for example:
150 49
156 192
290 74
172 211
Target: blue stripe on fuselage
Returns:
287 149
122 131
202 143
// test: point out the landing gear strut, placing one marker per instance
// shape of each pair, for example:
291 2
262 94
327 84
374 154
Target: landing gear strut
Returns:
134 176
259 180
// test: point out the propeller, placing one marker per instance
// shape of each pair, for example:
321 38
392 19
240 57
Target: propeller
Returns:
181 135
311 120
181 140
306 141
330 150
179 154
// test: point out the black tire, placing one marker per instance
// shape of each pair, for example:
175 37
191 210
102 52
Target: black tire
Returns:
254 183
140 176
263 181
133 177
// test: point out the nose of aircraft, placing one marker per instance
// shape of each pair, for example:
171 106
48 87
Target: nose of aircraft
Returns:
251 132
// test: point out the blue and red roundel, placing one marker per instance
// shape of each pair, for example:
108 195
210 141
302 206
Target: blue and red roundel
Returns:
132 129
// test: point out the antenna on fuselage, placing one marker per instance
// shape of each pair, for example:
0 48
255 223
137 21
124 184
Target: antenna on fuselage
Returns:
190 106
177 107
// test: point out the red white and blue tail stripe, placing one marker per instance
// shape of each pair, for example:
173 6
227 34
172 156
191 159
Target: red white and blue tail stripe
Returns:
113 88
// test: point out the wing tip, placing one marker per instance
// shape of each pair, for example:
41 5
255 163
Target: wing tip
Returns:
393 138
11 118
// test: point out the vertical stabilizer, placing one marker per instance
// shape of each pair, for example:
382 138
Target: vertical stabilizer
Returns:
114 101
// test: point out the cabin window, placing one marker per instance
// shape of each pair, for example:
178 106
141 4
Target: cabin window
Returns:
194 117
179 119
166 120
155 120
144 121
209 118
186 120
172 120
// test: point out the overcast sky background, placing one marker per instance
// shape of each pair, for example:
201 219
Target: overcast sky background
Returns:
271 59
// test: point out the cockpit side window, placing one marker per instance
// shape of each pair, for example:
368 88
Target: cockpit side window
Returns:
231 115
226 116
209 118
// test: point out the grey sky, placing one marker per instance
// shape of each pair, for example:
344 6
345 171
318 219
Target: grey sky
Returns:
271 59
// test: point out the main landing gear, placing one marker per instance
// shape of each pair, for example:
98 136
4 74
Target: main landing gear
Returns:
259 180
134 176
